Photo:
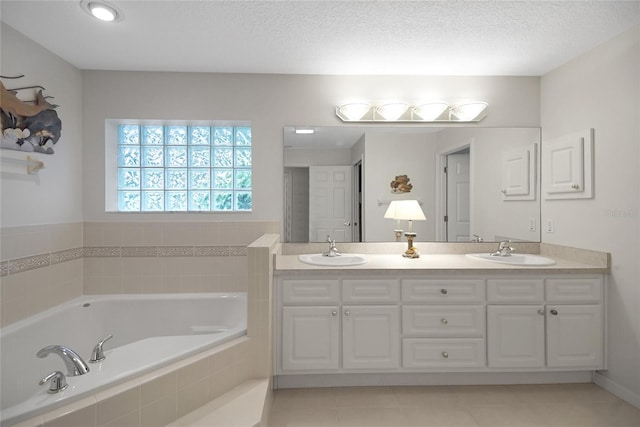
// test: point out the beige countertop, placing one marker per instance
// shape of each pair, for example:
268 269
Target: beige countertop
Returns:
437 263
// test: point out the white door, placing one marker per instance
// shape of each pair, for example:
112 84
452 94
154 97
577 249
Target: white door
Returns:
370 337
330 203
458 198
515 336
310 338
575 336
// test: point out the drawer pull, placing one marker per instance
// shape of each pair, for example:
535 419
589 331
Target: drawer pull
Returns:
443 291
554 312
334 313
445 354
347 313
444 321
541 312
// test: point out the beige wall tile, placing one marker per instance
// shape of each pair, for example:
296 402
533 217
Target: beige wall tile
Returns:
193 396
159 413
114 407
85 417
161 388
193 373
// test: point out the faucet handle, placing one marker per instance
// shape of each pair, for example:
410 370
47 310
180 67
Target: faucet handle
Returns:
97 355
58 382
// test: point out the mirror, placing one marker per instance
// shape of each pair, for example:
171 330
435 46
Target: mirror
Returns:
473 184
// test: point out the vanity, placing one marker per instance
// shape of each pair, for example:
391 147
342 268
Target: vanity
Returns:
397 320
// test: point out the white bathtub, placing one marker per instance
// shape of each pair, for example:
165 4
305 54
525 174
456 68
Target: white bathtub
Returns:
149 331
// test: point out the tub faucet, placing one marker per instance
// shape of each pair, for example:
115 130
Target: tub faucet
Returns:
333 251
97 355
75 365
503 249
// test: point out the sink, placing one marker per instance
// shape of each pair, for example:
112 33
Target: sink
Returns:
341 260
515 259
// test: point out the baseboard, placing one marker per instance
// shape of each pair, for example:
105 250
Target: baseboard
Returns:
455 378
614 388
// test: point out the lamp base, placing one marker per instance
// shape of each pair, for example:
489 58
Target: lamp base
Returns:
411 251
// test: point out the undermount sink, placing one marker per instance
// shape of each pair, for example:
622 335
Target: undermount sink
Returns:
515 259
340 260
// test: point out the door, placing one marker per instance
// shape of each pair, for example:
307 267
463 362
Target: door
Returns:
515 336
575 336
310 338
458 198
371 337
330 204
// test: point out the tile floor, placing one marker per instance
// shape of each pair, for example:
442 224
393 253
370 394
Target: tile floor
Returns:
561 405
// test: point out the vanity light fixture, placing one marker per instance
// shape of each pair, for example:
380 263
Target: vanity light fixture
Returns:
101 10
391 111
409 210
470 111
427 112
352 112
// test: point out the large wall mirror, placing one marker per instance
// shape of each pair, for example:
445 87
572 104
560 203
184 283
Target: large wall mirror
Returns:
473 184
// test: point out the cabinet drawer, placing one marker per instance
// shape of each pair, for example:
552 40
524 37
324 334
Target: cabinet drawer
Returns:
515 290
448 321
443 291
318 291
443 353
574 290
370 290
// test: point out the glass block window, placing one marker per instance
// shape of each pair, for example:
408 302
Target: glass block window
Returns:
184 168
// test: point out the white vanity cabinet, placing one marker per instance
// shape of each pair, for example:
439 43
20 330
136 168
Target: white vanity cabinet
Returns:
332 324
396 322
545 323
443 323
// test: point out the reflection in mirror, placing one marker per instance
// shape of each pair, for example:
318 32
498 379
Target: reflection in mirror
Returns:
473 184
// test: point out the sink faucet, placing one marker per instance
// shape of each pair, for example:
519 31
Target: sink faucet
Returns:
74 363
503 249
333 251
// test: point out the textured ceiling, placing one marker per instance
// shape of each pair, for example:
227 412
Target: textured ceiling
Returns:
325 37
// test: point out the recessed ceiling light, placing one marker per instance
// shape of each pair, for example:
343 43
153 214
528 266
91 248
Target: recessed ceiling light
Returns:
305 131
101 10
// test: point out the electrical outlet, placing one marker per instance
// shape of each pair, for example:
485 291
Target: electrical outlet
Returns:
550 226
532 224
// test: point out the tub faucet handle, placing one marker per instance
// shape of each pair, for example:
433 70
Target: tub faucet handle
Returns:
97 355
58 382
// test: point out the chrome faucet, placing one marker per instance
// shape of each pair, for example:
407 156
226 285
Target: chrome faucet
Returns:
333 251
74 363
97 355
57 384
503 249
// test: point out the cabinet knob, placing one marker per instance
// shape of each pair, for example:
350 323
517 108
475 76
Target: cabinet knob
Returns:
444 321
503 191
445 354
334 313
347 312
443 291
541 312
554 312
575 186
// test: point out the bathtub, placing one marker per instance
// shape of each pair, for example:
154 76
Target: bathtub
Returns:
149 331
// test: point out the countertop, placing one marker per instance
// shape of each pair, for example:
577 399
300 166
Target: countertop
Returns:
437 263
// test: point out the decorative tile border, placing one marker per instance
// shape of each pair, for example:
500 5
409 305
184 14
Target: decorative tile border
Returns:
66 255
29 263
19 265
102 251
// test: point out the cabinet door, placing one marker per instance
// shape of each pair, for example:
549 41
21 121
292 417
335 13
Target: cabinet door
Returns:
310 338
371 337
575 336
515 336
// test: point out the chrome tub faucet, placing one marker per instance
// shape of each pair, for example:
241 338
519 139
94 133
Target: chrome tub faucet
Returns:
74 363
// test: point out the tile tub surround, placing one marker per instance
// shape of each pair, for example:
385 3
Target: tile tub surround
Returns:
44 265
161 397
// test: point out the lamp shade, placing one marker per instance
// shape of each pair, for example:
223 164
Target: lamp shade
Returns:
405 210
